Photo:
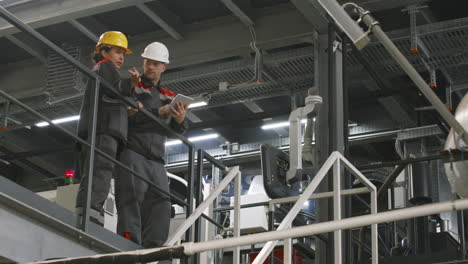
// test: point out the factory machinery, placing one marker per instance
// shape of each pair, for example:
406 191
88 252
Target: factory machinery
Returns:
398 219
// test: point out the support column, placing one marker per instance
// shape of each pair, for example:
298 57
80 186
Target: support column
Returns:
330 129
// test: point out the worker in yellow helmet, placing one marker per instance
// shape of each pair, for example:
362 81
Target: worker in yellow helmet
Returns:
112 119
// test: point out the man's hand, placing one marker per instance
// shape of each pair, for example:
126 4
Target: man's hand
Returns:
135 77
178 112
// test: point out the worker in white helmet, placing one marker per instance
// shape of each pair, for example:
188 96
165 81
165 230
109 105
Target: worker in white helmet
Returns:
144 212
111 124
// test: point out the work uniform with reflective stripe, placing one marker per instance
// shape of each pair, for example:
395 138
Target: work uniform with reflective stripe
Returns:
144 212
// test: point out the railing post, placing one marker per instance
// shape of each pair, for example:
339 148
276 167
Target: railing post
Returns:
190 196
237 202
94 101
338 236
288 250
374 230
198 197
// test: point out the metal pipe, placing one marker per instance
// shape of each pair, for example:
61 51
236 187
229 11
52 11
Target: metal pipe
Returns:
320 228
236 218
321 195
213 161
414 75
374 229
348 179
229 208
338 235
292 199
94 103
390 179
190 197
361 246
461 233
211 220
394 231
271 227
308 230
288 250
399 162
198 193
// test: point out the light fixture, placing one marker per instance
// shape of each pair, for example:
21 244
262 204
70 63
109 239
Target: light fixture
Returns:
193 139
281 124
58 121
173 142
198 104
198 101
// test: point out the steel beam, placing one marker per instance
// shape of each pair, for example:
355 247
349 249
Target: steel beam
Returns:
34 52
84 30
238 12
313 13
229 38
44 13
163 18
323 130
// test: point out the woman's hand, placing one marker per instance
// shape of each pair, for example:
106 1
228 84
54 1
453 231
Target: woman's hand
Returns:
135 77
133 111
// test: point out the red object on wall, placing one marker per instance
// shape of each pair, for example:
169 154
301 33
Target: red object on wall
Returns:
279 254
69 174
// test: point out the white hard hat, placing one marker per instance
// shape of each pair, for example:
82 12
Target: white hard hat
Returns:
156 51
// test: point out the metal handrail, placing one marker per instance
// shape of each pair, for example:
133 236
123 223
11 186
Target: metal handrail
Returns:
232 174
197 191
9 17
334 161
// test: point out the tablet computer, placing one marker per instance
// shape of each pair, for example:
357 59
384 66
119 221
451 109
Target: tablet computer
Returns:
181 98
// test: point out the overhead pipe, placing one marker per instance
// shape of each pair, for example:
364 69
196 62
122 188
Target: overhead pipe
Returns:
392 49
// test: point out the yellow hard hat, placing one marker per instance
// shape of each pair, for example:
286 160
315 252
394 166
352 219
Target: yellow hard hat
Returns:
114 38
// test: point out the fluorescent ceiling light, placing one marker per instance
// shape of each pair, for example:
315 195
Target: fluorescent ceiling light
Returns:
205 137
192 139
198 104
173 142
58 121
281 124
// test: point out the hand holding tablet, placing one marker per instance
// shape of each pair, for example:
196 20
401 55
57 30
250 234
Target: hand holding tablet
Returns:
180 98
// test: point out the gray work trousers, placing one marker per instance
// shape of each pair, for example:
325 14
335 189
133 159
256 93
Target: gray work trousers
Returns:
102 176
142 211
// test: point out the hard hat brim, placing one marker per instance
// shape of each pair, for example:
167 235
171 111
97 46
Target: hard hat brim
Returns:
146 57
127 51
